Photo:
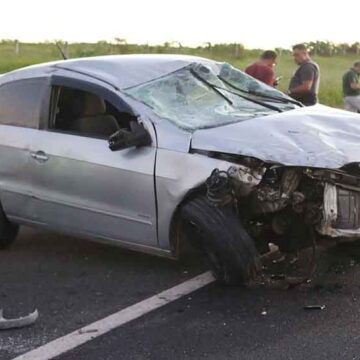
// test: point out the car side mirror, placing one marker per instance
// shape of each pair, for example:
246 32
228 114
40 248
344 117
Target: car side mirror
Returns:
124 138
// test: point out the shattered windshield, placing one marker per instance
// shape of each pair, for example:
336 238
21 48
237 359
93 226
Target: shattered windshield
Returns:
203 96
247 83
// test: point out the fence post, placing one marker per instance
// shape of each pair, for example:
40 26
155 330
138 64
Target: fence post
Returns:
66 49
17 47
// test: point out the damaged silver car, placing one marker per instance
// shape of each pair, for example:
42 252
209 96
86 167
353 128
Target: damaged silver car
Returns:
149 151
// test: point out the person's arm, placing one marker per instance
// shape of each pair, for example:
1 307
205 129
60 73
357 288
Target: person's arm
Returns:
355 85
304 87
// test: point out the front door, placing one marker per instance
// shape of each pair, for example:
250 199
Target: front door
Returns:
81 186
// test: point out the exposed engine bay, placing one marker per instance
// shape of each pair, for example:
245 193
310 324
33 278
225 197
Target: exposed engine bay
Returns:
285 205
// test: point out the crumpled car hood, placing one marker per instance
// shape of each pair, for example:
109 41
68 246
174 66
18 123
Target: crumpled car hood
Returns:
316 136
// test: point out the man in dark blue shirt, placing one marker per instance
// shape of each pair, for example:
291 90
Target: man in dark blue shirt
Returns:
304 85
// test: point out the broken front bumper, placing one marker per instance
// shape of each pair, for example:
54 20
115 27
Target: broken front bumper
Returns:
341 217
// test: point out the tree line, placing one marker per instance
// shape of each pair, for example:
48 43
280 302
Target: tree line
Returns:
236 50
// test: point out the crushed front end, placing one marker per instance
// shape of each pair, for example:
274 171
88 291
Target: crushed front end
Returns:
291 207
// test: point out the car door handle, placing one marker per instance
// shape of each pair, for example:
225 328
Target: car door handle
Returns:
39 156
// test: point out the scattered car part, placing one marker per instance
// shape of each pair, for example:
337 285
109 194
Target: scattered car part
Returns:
81 331
278 277
288 277
219 191
20 322
314 307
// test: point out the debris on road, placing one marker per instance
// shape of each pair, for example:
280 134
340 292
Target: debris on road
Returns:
81 331
314 307
20 322
278 277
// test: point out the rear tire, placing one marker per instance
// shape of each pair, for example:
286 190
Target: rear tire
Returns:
8 230
219 236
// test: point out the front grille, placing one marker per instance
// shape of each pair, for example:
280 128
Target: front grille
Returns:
348 209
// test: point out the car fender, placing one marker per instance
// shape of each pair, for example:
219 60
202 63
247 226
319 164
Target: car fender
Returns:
177 175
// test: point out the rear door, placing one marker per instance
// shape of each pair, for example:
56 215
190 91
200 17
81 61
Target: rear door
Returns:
23 105
81 186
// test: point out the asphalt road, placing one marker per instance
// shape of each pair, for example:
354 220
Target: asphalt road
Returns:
74 282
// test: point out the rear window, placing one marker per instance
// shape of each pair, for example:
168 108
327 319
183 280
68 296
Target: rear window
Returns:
24 102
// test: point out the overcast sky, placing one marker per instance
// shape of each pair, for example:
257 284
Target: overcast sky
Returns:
264 24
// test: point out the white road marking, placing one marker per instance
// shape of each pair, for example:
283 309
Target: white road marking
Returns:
78 337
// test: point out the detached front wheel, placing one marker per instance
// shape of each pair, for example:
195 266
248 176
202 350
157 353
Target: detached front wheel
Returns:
217 233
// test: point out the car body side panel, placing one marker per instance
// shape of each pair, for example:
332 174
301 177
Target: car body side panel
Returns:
176 174
84 187
15 170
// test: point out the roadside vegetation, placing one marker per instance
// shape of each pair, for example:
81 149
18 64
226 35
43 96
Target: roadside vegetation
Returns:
333 59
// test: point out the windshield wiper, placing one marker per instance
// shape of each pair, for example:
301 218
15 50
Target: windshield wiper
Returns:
275 98
212 86
259 94
218 88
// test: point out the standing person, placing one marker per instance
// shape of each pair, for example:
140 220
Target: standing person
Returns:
351 88
304 85
262 69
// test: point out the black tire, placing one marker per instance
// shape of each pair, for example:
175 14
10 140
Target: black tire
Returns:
8 230
217 233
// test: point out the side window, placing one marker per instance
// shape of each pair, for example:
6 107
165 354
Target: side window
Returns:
24 102
83 113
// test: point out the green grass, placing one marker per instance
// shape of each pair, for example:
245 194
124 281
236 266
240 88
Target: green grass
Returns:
332 68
